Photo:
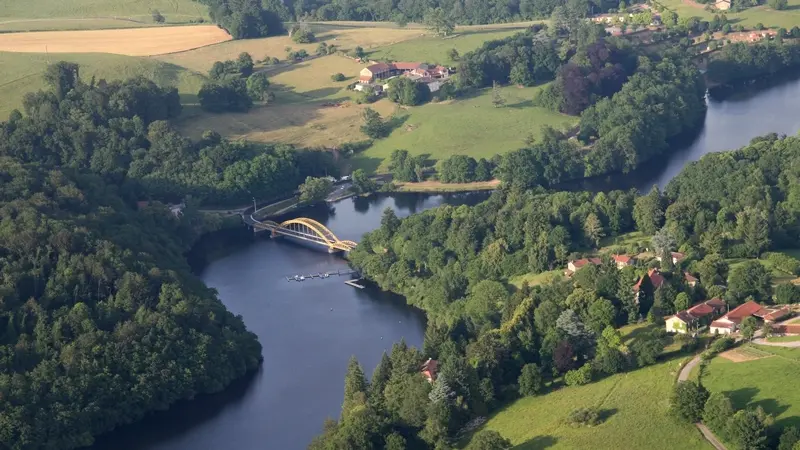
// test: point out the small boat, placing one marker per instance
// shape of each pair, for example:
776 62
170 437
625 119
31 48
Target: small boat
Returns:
302 278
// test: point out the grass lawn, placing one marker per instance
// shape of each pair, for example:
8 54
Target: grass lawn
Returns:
20 73
470 126
434 50
749 17
763 382
535 279
59 15
636 405
783 338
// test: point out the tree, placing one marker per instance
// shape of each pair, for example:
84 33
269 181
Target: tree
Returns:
315 189
712 269
593 229
157 17
358 52
748 327
258 86
682 302
663 244
62 77
488 440
688 401
394 441
244 64
601 315
408 92
302 34
752 226
647 348
717 412
530 380
453 55
789 438
786 294
374 126
362 183
750 278
228 95
438 22
497 96
338 77
355 386
747 429
380 377
458 169
648 212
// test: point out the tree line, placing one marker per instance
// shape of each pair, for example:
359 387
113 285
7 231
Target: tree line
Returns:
495 343
119 130
741 61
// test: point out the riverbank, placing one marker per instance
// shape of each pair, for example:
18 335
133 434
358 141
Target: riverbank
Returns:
438 186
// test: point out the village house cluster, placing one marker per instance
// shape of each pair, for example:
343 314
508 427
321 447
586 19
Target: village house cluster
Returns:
377 75
711 314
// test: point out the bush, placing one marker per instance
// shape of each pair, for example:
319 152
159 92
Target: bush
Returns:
579 377
157 17
584 417
302 35
258 86
530 380
338 77
688 401
720 345
783 262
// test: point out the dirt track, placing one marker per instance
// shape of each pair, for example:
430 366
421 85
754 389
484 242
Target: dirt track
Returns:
131 42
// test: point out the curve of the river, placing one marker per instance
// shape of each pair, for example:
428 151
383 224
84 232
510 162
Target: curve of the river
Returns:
310 329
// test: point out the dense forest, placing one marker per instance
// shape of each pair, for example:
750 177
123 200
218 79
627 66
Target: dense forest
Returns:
245 19
494 343
101 321
119 130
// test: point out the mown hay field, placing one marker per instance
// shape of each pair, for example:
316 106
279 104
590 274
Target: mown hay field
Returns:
749 17
131 42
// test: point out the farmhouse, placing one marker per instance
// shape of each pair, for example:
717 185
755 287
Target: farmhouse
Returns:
578 264
430 369
730 322
723 5
676 257
695 317
622 261
382 71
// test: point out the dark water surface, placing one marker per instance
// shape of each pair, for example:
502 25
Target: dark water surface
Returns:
309 330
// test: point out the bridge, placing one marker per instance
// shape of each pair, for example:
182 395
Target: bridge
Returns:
304 229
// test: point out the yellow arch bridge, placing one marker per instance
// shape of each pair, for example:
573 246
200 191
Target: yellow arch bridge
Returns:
304 229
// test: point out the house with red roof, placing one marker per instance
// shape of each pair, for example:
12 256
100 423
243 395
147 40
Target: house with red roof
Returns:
382 71
577 264
676 257
690 279
695 317
623 261
430 369
656 279
730 322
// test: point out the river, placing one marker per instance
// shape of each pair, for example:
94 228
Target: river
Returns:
310 329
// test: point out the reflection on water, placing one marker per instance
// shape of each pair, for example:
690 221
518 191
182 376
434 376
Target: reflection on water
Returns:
308 330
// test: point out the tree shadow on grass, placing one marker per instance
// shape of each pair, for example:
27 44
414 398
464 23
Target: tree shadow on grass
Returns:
742 397
771 406
537 443
396 121
521 105
605 414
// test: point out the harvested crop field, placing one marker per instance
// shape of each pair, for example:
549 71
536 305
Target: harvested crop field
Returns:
745 353
131 42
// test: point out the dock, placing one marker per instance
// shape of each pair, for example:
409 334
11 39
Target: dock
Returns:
354 283
322 275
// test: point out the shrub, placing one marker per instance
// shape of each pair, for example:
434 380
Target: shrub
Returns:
584 417
784 263
302 35
720 345
530 380
338 77
579 377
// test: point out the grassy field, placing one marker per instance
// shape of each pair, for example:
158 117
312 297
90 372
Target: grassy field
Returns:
470 126
17 15
635 404
749 17
535 279
783 339
778 276
434 50
437 186
761 382
21 73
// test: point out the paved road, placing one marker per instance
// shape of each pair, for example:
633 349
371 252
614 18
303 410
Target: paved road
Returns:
687 369
710 436
792 344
